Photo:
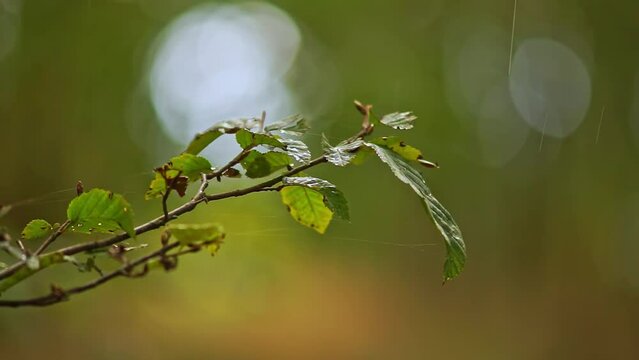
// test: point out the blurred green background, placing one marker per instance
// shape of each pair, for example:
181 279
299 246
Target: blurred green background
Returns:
538 166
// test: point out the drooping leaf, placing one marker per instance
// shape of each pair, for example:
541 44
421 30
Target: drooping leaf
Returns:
399 120
100 211
36 229
297 150
203 139
292 125
248 139
190 165
208 234
333 198
455 247
307 207
259 164
342 154
406 151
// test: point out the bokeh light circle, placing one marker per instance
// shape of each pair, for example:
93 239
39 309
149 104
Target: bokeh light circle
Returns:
217 62
550 86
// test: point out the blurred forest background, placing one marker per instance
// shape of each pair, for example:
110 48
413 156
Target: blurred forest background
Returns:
538 165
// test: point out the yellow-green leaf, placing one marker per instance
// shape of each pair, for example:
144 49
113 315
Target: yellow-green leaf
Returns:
156 188
307 207
188 234
402 149
334 199
36 229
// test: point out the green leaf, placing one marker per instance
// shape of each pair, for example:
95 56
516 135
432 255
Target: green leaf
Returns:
248 139
406 151
399 120
342 154
208 234
297 150
203 139
455 247
190 165
292 125
186 167
333 198
36 229
307 207
259 164
157 188
100 211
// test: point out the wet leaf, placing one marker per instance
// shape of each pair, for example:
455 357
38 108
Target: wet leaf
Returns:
342 154
307 207
455 247
292 125
259 164
399 120
334 199
36 229
100 211
203 139
297 150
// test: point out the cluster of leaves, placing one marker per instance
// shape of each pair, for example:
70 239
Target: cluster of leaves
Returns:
266 151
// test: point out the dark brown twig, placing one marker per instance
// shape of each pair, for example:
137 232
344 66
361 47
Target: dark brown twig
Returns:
201 196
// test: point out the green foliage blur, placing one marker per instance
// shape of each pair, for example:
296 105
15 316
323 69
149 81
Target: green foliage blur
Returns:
538 167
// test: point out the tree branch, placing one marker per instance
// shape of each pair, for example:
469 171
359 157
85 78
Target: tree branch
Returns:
52 238
57 295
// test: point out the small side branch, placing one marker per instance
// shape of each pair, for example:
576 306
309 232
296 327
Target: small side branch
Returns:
52 238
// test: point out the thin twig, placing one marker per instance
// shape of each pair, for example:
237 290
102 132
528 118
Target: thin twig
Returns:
162 220
52 238
236 160
58 295
63 295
